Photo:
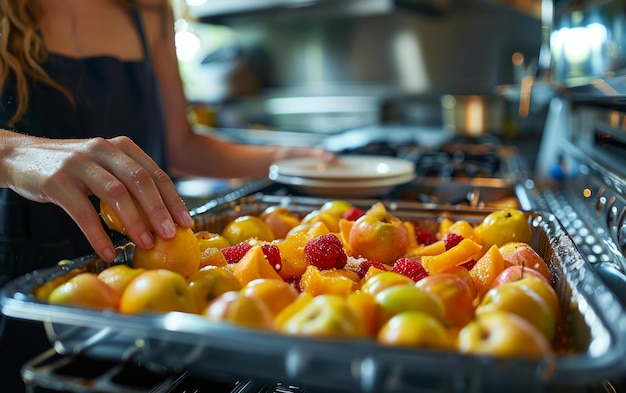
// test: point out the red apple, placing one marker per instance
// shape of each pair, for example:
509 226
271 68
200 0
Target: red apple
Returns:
456 295
515 273
520 253
379 236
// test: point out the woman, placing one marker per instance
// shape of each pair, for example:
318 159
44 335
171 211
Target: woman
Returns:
93 106
98 69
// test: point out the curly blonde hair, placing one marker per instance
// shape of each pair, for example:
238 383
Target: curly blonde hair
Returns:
22 50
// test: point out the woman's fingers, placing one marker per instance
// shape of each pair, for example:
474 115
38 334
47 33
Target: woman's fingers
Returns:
155 191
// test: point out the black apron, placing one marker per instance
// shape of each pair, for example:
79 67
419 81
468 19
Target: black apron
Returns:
112 98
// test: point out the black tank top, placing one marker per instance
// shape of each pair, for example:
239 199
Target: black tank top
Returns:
112 98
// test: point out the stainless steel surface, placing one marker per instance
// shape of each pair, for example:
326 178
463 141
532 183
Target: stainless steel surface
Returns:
391 55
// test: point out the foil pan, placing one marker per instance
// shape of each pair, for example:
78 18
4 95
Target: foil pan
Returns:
594 331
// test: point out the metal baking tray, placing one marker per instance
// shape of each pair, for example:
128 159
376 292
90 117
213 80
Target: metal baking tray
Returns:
594 331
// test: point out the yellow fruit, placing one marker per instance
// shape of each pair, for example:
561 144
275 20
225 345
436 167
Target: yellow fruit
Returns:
208 239
209 283
119 276
503 226
112 221
157 291
85 290
245 228
276 294
180 254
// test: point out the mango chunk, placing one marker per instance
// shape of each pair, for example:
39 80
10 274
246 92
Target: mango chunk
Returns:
253 265
457 255
486 270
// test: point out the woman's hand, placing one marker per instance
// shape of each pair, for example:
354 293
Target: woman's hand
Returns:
66 172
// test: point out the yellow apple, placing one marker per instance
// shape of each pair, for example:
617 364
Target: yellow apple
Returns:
414 329
504 335
119 276
326 316
522 301
503 226
85 290
336 207
331 222
275 293
280 220
210 282
375 283
235 308
208 239
158 291
379 236
245 228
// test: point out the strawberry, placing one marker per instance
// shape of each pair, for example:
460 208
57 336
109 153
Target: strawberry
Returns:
325 252
410 268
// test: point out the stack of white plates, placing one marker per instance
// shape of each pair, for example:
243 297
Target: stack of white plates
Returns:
350 176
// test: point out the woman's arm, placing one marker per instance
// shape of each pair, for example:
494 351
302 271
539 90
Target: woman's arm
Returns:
192 154
66 172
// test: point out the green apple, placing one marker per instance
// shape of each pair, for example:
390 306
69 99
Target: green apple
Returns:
379 236
407 297
326 316
522 301
414 329
503 226
503 335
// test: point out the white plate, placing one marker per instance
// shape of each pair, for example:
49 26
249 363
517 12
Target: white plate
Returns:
347 167
343 188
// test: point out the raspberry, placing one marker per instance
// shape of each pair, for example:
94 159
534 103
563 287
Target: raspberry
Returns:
272 253
295 282
469 265
365 266
353 214
424 236
451 239
325 252
234 253
410 268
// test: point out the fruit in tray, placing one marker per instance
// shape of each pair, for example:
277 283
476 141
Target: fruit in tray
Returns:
344 272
